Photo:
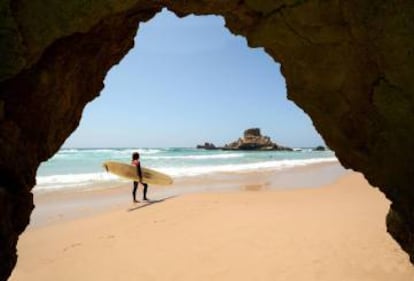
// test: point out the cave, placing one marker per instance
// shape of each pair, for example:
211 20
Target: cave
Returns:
347 64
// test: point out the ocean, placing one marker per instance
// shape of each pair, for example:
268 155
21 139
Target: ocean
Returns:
81 168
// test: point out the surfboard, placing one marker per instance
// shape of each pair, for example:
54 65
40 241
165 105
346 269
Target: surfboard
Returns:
128 171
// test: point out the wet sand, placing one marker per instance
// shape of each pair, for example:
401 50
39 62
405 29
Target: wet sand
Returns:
58 206
256 230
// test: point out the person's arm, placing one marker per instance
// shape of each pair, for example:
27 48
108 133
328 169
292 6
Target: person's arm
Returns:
139 172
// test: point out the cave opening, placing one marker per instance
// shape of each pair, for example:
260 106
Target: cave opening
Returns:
349 76
186 82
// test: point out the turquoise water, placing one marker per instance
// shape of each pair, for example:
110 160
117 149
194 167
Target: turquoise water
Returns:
83 167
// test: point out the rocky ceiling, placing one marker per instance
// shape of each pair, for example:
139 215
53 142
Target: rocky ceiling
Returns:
348 64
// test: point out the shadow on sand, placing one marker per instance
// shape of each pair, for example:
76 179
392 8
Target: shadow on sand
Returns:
149 203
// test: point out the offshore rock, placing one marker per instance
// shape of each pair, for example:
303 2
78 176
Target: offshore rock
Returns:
319 148
253 140
207 145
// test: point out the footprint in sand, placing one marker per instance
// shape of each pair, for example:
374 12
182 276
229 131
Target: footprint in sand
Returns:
72 246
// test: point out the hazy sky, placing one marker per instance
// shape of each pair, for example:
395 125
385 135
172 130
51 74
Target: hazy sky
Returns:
188 81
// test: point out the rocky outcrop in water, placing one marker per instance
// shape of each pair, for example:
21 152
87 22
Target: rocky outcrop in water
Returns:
348 64
208 146
253 140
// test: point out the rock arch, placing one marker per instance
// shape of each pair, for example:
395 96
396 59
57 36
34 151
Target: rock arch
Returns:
348 64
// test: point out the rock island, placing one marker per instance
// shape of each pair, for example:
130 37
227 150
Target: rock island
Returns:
252 140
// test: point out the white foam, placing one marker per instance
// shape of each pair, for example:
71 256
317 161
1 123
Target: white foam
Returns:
234 168
71 150
78 153
139 150
62 181
110 150
199 157
75 180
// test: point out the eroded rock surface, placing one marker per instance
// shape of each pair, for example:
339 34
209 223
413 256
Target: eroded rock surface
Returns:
253 140
348 64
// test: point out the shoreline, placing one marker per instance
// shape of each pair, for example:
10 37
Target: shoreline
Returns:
333 232
81 169
54 206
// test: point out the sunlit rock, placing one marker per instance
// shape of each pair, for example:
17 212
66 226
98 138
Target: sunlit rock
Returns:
253 140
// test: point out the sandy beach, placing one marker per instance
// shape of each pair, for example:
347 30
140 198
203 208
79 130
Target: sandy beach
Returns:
258 231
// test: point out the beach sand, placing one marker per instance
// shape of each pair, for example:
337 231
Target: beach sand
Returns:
255 232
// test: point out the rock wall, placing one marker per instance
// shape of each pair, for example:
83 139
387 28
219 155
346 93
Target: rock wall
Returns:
348 64
43 103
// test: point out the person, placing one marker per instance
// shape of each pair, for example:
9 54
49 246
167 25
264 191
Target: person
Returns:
136 163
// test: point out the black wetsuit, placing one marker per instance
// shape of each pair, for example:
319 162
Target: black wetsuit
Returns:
134 190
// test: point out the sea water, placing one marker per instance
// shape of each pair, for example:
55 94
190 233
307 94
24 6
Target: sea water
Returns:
82 168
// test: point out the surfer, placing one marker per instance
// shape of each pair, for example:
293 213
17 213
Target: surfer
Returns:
136 163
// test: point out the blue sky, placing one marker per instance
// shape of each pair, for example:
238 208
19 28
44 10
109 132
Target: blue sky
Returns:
188 81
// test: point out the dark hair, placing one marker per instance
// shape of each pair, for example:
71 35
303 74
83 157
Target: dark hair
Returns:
135 156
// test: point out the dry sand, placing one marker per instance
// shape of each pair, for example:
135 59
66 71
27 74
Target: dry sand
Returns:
334 233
